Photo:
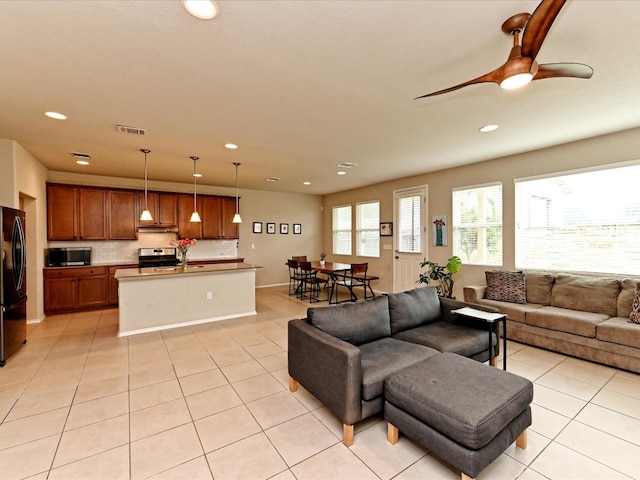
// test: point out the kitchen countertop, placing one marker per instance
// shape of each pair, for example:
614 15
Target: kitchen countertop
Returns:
134 263
131 273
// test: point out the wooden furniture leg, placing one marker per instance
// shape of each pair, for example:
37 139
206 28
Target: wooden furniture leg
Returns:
293 384
347 434
392 434
494 362
521 441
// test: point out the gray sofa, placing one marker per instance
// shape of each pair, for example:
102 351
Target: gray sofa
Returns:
581 316
342 354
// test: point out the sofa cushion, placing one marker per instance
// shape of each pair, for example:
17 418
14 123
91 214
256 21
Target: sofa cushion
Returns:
356 323
587 294
564 320
539 285
505 286
514 311
449 337
626 296
619 330
634 316
412 308
386 356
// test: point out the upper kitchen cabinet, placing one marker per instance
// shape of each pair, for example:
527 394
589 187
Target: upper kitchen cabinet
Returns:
123 214
228 210
163 207
76 213
186 228
216 214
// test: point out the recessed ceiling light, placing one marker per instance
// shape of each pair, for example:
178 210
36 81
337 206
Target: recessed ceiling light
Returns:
230 146
306 183
197 175
204 9
56 115
489 128
342 172
82 162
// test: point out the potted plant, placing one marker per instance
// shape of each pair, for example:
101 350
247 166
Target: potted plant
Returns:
442 274
322 257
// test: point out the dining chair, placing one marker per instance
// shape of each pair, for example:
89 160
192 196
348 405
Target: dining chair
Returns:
344 279
310 283
295 278
300 258
359 278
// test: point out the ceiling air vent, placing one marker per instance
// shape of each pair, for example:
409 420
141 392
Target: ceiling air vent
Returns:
347 165
273 179
81 156
134 130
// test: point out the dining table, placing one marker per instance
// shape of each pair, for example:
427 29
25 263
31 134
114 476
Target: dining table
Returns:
333 270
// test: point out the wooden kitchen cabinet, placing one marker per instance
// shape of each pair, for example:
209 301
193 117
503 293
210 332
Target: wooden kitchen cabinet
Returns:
216 213
123 215
113 283
69 289
76 213
163 207
187 229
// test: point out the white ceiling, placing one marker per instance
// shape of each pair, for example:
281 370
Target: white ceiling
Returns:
301 86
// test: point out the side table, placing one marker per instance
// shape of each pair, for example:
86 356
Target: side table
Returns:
489 318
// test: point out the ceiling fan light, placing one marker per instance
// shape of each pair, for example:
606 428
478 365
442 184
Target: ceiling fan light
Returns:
195 217
516 81
146 216
237 218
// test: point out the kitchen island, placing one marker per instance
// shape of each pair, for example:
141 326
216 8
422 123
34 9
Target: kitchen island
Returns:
158 298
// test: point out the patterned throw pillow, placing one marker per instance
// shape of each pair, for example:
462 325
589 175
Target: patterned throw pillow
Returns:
506 286
634 316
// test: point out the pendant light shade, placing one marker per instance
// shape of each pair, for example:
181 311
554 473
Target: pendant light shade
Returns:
146 214
195 216
237 218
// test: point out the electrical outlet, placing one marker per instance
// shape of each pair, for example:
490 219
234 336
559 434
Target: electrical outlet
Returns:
209 295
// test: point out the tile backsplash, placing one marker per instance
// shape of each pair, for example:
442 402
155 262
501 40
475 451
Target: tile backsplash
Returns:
123 251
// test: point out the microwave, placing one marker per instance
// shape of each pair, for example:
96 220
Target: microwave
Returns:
67 257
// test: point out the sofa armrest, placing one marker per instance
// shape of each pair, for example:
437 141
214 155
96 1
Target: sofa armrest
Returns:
329 368
448 304
473 293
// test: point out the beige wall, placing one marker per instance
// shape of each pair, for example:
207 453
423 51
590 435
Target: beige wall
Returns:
607 149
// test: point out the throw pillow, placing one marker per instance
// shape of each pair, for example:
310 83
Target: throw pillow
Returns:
506 286
634 316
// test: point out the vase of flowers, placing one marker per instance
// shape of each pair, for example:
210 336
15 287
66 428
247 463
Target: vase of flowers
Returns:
322 257
183 245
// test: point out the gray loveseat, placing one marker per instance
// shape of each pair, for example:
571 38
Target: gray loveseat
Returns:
342 354
582 316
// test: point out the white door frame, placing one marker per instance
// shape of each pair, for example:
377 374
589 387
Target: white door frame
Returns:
406 266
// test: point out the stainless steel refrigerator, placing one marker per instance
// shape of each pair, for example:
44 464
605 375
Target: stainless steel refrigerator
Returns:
13 283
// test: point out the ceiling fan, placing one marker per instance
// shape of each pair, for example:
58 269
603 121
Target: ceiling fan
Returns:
521 66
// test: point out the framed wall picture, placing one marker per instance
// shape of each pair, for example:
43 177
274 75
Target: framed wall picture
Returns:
297 228
271 228
257 227
284 228
386 229
439 230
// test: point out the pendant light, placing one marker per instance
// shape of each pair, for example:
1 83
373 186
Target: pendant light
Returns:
146 214
195 217
237 218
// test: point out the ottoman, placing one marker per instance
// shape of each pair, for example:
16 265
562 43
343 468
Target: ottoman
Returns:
464 412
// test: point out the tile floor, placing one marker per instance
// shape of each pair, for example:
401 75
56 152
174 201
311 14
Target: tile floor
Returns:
211 402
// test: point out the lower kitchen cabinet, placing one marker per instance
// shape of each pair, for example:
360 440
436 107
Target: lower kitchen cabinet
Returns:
113 283
69 289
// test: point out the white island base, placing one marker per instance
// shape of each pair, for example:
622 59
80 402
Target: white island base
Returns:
152 299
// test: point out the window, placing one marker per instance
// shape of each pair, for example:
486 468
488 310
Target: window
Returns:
342 230
368 229
408 218
581 221
477 224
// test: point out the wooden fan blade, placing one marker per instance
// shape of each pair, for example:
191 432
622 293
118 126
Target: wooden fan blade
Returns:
571 70
538 26
491 77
